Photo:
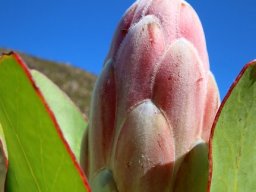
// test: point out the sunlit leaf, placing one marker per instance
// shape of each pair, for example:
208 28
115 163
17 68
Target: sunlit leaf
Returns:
233 142
39 157
69 118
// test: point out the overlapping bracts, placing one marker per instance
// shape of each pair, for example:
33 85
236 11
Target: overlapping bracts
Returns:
154 99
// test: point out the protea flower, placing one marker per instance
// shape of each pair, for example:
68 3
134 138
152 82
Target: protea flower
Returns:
154 100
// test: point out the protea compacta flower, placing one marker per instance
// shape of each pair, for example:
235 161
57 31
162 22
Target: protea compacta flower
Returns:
154 100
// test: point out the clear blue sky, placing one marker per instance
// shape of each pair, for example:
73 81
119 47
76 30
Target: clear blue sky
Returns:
80 31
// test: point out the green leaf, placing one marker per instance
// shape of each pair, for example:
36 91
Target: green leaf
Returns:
39 157
233 139
193 172
69 118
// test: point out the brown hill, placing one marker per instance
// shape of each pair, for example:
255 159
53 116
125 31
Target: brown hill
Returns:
77 84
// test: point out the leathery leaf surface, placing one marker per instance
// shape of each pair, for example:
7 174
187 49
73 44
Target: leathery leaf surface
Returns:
39 157
70 119
233 140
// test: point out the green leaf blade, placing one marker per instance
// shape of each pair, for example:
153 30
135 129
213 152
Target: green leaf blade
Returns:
68 116
193 173
39 157
233 143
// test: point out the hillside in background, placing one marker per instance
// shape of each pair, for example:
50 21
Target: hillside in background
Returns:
76 83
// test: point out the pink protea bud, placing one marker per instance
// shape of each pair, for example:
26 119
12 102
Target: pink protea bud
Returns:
154 100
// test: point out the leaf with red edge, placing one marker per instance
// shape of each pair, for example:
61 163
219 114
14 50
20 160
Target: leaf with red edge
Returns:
70 119
232 143
39 157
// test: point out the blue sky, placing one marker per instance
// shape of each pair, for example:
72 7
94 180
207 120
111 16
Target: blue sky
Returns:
79 32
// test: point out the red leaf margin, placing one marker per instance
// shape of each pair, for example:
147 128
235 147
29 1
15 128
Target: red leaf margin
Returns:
240 75
52 116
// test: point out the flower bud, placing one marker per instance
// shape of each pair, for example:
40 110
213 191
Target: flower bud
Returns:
154 100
